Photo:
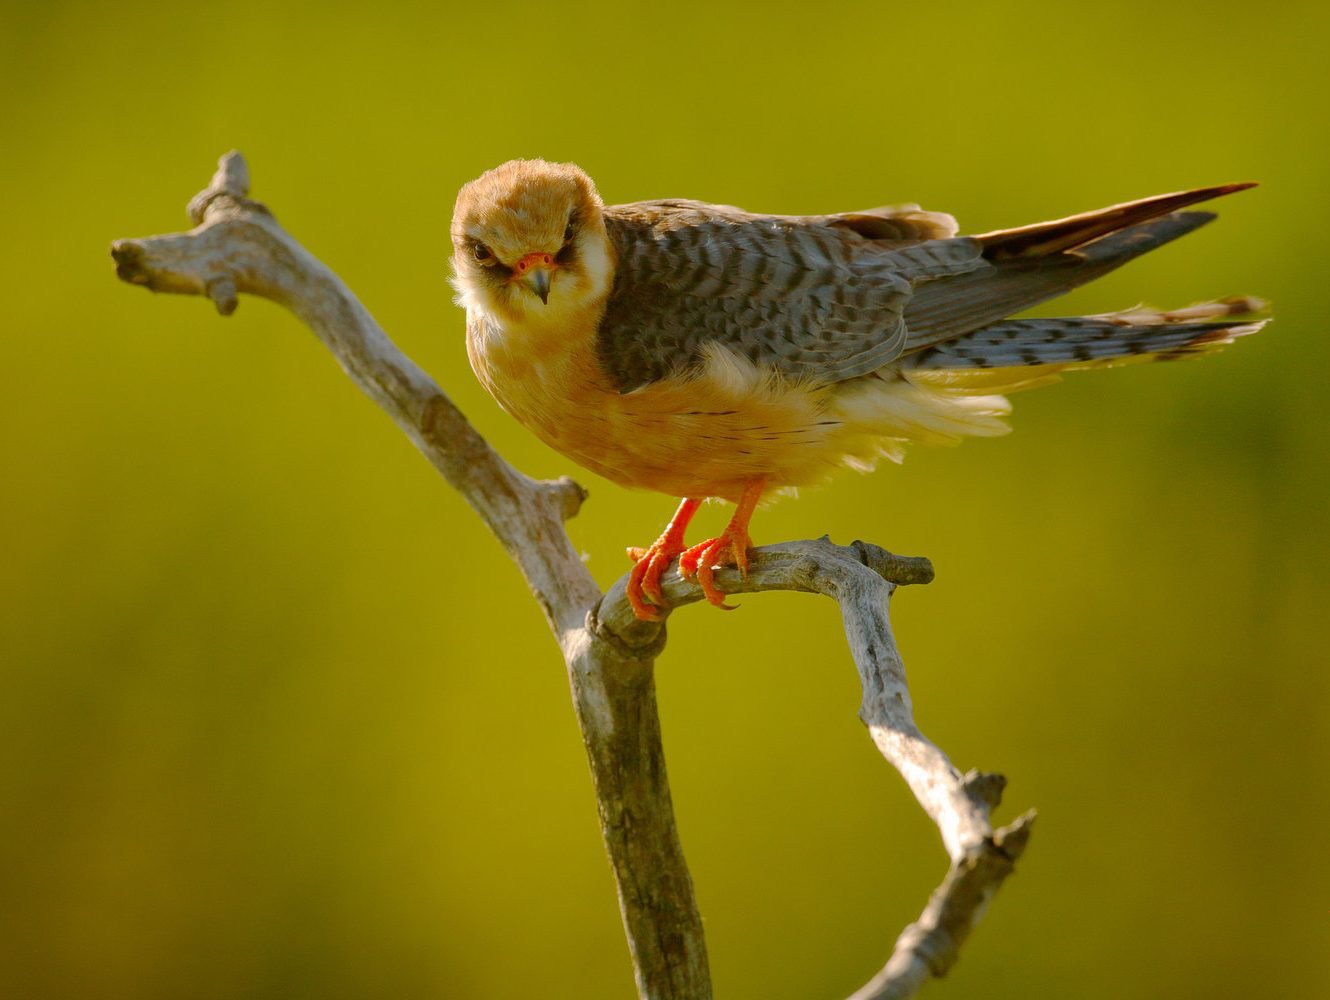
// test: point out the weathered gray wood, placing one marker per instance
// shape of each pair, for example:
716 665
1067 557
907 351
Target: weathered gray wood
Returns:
237 246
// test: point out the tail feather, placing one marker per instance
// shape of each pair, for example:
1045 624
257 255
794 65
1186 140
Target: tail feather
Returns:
952 307
1074 342
1020 268
1044 238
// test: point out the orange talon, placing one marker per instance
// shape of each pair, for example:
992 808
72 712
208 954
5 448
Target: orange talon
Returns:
731 546
643 588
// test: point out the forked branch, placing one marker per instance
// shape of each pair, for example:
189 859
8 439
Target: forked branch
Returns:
238 247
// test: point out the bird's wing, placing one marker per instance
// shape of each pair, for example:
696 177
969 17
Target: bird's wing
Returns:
816 298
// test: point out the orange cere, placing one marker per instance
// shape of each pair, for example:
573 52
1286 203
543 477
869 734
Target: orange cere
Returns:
531 260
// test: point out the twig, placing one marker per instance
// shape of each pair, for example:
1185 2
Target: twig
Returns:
237 246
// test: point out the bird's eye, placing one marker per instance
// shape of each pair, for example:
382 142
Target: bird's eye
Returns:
568 232
481 253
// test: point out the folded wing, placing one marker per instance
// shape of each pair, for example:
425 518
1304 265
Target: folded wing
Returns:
813 298
824 299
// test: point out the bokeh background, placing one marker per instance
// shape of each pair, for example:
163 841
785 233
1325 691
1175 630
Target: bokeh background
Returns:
277 719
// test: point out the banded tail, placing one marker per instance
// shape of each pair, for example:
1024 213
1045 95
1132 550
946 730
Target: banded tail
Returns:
1075 342
961 324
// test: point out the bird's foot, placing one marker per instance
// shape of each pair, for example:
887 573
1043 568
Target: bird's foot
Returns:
643 590
701 561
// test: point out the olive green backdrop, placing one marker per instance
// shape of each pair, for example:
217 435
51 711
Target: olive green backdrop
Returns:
277 719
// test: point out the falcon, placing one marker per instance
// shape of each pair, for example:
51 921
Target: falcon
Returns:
707 352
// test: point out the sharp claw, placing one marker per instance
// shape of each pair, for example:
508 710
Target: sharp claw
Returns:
741 559
706 580
641 609
688 563
644 591
633 590
651 579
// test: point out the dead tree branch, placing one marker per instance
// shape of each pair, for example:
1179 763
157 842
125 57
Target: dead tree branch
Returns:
238 247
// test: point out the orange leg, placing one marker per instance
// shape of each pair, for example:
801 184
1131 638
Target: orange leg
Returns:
731 546
644 582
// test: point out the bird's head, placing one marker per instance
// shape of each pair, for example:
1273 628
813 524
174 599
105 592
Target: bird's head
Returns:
529 242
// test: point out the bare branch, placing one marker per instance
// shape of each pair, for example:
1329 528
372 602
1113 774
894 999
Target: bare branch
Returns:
238 246
931 945
861 578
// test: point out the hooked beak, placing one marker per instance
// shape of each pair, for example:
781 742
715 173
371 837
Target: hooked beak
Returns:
534 270
539 282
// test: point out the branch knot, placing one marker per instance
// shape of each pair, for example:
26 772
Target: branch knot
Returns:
638 641
230 181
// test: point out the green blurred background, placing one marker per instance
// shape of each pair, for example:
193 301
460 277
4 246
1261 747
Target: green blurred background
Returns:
277 718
